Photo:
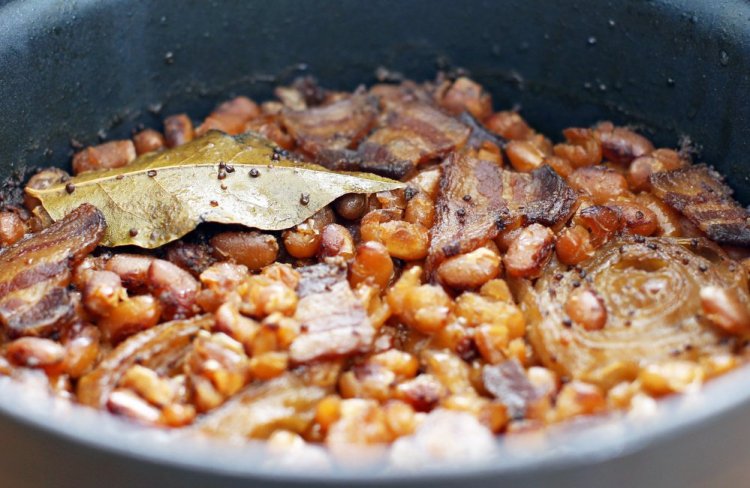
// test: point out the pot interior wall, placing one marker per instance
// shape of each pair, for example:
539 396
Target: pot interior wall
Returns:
89 69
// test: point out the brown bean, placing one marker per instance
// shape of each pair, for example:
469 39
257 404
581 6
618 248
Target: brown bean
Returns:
371 264
638 219
524 155
403 240
128 404
82 351
621 145
573 245
130 316
668 220
509 125
35 352
102 291
351 206
148 140
336 241
601 184
602 222
529 252
427 181
724 309
420 210
252 249
587 309
175 288
582 149
178 129
269 127
148 385
303 241
12 228
132 270
470 270
109 155
43 179
465 95
640 170
230 117
579 398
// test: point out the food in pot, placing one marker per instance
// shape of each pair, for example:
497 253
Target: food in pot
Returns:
471 276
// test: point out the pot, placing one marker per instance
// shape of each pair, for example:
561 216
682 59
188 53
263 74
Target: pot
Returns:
678 69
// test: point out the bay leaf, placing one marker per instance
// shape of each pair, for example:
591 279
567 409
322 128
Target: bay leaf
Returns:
160 197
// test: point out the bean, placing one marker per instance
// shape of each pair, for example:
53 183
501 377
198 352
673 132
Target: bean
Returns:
175 288
601 184
336 241
465 95
252 249
148 140
371 264
43 179
582 149
102 291
127 403
420 210
579 398
109 155
130 316
530 252
524 155
641 168
621 145
35 352
573 245
509 125
724 309
638 219
82 351
351 206
587 309
178 129
671 377
230 117
470 270
146 383
403 240
12 228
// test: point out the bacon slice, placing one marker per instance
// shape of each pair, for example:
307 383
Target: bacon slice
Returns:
701 195
470 207
410 134
325 130
334 322
35 272
478 198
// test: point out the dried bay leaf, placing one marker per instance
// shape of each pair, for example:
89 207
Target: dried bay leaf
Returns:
162 196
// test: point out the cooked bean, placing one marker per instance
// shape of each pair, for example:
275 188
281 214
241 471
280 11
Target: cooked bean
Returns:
351 206
724 309
102 291
470 270
579 398
637 218
148 140
336 241
371 264
640 170
477 310
178 129
126 403
193 257
422 393
524 155
466 95
582 149
130 316
35 352
175 288
621 145
587 309
109 155
304 240
269 127
509 125
264 296
43 179
560 165
12 228
529 252
82 351
668 220
428 182
602 223
601 184
252 249
420 210
492 342
403 240
670 377
269 365
230 117
574 245
132 270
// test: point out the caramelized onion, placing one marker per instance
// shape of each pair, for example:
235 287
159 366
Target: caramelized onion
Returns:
650 288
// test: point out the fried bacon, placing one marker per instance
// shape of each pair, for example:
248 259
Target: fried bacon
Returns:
409 135
477 199
35 273
701 195
334 322
325 130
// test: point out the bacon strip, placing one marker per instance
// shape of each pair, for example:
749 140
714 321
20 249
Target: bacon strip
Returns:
478 198
334 321
701 195
323 131
411 134
35 272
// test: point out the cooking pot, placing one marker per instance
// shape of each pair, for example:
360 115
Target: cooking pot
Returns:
88 69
